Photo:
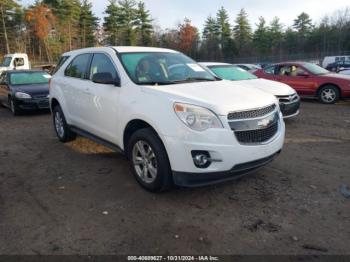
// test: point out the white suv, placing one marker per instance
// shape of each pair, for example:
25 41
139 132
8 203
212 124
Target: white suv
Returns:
176 122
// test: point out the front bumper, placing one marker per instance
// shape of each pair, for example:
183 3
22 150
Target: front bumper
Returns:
33 103
230 156
290 109
204 179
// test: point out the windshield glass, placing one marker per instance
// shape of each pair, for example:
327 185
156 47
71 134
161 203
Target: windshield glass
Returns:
29 78
315 69
232 73
6 62
151 68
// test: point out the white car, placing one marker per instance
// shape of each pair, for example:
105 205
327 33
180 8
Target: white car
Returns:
288 98
175 121
345 72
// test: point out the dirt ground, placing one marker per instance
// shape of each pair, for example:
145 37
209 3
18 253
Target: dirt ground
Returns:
81 198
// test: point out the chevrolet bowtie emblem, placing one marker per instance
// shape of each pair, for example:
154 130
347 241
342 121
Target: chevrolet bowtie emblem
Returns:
264 123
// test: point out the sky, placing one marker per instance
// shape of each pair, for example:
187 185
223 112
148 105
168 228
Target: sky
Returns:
168 13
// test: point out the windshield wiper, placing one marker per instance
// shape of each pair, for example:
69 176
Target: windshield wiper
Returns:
155 83
194 79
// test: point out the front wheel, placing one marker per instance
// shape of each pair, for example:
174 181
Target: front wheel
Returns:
13 107
329 94
149 161
62 129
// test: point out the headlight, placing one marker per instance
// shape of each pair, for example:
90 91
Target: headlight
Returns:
21 95
197 118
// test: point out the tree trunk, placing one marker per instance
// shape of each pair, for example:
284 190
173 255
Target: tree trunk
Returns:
4 29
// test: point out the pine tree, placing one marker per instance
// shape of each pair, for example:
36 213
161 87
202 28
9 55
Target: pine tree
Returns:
275 33
211 39
88 24
225 32
127 21
242 32
261 40
111 23
303 24
144 25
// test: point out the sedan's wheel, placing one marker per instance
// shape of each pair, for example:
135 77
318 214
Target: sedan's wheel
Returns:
14 109
329 94
62 130
149 160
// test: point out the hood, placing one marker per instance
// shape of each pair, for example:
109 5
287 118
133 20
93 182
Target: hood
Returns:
33 90
221 97
273 87
338 76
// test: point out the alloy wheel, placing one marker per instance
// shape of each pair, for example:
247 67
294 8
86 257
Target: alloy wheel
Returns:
328 95
59 125
144 161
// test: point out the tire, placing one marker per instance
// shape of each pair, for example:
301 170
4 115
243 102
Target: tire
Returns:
62 129
329 94
13 107
154 158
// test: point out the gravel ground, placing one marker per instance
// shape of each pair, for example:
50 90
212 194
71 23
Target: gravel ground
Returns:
81 198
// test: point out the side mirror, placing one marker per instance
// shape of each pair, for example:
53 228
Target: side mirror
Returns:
105 78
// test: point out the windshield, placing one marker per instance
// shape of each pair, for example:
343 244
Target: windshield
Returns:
152 68
29 78
232 73
6 62
315 69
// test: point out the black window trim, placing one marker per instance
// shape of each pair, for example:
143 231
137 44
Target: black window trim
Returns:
110 59
86 68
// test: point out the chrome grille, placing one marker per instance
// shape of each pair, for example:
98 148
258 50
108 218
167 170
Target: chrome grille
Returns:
257 136
251 113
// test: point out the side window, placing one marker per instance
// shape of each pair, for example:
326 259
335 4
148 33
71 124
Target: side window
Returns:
3 78
19 61
270 70
78 67
60 63
102 64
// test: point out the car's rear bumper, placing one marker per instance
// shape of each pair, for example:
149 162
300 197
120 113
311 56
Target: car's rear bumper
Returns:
203 179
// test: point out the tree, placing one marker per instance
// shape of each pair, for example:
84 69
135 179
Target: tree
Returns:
111 22
41 21
303 25
261 40
224 32
242 32
275 33
144 25
88 24
127 21
188 38
211 43
69 13
8 10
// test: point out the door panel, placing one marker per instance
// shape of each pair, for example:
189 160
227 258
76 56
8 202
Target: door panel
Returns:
102 114
76 89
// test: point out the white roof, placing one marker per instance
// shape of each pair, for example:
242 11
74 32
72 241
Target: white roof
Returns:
213 64
123 49
127 49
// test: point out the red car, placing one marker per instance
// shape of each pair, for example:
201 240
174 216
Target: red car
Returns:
309 80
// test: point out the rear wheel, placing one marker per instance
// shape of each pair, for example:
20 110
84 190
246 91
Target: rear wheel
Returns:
149 161
329 94
62 129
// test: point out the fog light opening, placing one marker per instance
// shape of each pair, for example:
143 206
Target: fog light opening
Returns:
201 159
